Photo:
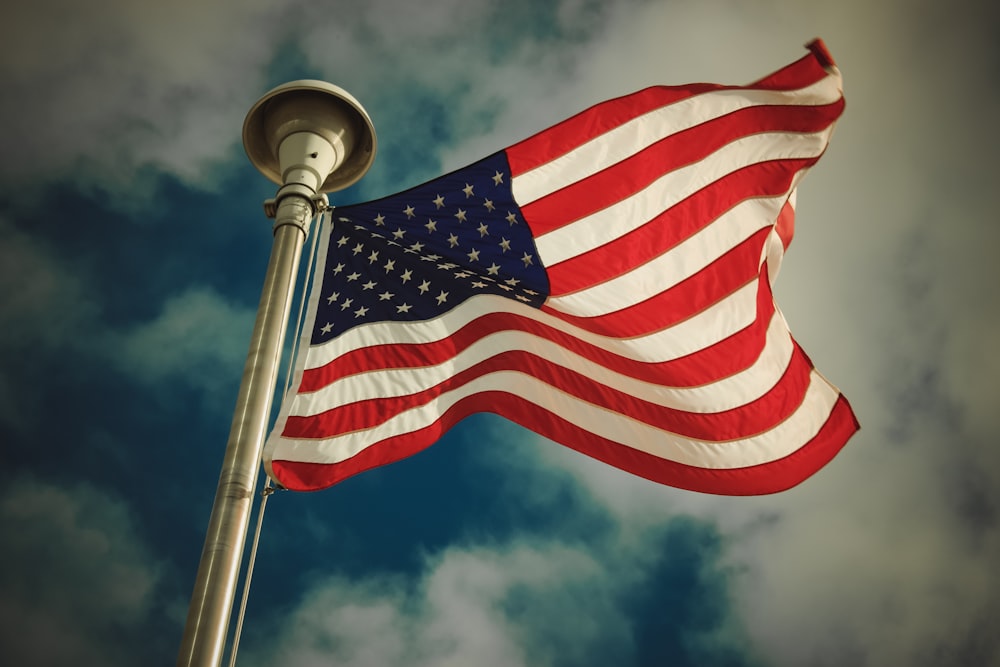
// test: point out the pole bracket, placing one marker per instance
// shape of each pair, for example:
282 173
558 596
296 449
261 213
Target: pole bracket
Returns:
320 202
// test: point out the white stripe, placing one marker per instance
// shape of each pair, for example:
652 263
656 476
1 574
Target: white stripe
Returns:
782 440
674 266
725 394
643 131
708 327
630 213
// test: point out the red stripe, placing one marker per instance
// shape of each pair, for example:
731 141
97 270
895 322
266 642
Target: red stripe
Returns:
725 358
665 231
694 294
755 480
759 415
559 139
811 66
785 225
687 147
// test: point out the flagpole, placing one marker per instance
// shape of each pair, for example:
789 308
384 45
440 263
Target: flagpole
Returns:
311 137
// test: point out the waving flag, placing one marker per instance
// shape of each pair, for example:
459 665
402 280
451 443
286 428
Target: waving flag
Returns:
605 283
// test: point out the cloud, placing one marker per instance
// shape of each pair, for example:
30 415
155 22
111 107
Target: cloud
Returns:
128 86
92 607
523 602
133 90
452 615
42 301
50 307
198 339
44 307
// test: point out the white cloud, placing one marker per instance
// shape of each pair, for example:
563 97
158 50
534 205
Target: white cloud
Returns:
50 307
199 338
106 89
463 609
86 609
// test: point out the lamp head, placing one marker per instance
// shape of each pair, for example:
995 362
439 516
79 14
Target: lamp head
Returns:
310 132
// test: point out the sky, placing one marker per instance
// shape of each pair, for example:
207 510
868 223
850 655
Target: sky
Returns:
132 255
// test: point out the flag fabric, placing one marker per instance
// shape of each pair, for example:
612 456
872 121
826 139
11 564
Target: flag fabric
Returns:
605 283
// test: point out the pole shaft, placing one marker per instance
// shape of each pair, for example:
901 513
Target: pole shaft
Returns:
215 584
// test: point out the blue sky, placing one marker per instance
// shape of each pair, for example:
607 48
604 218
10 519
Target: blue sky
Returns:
134 246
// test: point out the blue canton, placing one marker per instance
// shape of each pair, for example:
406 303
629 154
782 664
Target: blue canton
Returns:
415 255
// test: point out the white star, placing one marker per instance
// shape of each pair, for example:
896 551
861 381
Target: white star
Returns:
505 288
467 190
416 247
360 312
342 241
337 269
372 258
385 296
326 328
479 283
526 259
403 308
406 276
369 285
512 281
442 297
493 270
333 297
444 266
424 286
504 245
531 292
452 241
358 249
497 178
347 304
390 265
398 234
353 276
431 226
408 211
483 229
489 205
511 218
474 255
379 220
521 297
439 201
460 215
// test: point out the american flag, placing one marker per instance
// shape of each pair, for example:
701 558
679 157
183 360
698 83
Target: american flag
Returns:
605 283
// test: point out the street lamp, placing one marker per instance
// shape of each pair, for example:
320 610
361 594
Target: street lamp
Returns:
310 137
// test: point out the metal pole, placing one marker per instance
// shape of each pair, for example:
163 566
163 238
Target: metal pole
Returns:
215 584
311 137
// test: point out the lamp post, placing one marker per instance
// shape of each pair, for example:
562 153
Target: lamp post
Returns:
310 137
